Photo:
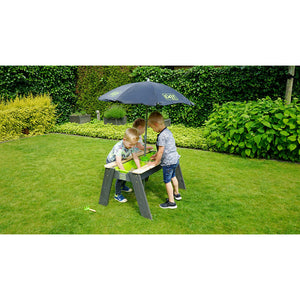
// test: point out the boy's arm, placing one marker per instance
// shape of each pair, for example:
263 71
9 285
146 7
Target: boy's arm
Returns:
157 156
136 160
119 162
139 146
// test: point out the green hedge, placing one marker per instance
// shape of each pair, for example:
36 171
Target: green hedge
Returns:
204 85
57 81
115 112
207 85
263 129
184 136
94 81
26 116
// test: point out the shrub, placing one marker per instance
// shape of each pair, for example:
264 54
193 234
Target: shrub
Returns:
28 115
79 113
184 136
263 129
115 112
59 82
94 81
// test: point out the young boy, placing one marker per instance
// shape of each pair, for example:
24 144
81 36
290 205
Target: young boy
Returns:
168 156
139 124
121 151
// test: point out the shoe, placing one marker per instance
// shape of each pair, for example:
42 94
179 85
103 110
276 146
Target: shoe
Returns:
126 189
120 198
168 204
177 197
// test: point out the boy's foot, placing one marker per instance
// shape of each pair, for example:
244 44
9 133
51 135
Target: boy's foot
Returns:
126 189
120 198
177 197
168 204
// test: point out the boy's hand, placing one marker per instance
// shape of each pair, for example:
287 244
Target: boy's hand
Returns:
151 164
153 157
119 163
136 160
156 158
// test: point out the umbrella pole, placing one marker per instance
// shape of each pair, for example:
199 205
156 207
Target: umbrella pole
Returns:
146 126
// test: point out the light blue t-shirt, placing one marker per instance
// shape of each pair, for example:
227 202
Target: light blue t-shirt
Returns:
119 149
141 140
170 155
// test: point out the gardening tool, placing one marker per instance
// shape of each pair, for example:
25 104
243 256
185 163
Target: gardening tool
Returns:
147 93
87 208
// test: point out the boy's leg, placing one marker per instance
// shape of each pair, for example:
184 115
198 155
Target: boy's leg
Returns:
169 189
125 188
168 174
169 179
119 197
123 184
175 185
119 184
170 203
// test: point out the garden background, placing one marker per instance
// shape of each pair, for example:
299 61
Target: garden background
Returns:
238 109
78 88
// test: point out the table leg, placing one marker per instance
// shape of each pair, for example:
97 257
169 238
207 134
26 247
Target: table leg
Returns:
106 186
140 194
179 177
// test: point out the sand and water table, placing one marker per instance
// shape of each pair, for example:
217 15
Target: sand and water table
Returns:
137 177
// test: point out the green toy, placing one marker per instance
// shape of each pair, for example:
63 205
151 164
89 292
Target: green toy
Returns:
130 165
87 208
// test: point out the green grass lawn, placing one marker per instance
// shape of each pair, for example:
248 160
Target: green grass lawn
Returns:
46 181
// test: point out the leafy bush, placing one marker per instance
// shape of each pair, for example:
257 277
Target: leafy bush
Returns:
263 129
94 81
184 136
59 82
115 112
207 85
28 115
79 113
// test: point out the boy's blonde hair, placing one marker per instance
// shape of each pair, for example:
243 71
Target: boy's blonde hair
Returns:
131 135
156 117
139 122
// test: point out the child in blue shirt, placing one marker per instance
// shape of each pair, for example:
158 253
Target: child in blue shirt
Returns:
122 150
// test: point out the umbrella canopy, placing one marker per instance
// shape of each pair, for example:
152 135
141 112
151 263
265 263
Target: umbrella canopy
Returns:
147 93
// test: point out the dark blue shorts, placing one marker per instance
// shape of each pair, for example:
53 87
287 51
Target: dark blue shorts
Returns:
169 172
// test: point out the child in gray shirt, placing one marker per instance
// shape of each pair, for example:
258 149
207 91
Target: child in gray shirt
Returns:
167 156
